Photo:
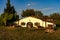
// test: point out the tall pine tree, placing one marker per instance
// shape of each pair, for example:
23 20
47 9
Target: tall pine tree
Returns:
9 15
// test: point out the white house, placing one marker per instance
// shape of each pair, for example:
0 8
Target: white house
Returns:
34 22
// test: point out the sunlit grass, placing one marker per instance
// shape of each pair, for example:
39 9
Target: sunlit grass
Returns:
10 33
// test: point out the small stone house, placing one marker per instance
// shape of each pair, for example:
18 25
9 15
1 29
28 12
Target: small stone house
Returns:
35 22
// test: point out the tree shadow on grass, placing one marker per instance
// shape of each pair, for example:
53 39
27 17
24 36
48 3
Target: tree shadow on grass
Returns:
57 26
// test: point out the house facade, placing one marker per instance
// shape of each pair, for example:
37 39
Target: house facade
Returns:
34 22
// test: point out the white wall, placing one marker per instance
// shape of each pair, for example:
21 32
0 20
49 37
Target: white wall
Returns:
34 20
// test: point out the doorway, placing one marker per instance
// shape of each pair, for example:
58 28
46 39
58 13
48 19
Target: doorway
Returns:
29 25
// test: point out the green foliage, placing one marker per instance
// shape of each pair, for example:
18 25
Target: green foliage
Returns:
56 17
3 18
1 22
31 12
27 13
9 15
39 13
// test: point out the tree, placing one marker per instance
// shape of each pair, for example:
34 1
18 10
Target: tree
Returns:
1 22
56 17
38 13
28 12
31 12
9 15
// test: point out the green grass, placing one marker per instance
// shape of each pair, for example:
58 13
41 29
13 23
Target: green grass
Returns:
7 33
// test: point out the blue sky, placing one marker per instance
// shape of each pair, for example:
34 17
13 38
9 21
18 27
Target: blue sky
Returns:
46 6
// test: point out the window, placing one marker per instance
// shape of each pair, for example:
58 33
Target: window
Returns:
50 26
22 23
37 24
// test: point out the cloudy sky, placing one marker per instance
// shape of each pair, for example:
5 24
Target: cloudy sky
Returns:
46 6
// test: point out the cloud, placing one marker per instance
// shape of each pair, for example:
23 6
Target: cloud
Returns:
28 4
31 4
47 9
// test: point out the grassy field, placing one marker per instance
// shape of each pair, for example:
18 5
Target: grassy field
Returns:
7 33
